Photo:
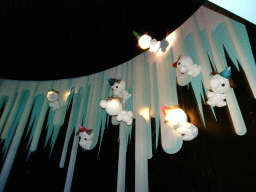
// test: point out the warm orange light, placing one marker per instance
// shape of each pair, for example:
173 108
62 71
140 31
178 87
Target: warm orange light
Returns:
144 112
175 116
144 41
66 95
170 38
114 103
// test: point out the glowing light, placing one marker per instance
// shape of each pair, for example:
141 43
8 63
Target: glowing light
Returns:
170 38
159 52
66 95
144 112
144 41
154 46
175 116
114 103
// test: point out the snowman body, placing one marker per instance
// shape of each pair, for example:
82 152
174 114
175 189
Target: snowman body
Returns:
219 87
188 131
185 64
125 116
146 42
53 98
112 106
154 46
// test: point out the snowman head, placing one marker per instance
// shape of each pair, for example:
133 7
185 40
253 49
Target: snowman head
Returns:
183 64
221 82
117 85
113 106
85 133
52 95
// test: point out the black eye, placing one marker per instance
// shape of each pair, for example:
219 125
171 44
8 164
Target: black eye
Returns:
179 63
116 86
223 84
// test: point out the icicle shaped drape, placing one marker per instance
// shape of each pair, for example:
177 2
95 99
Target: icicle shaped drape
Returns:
152 82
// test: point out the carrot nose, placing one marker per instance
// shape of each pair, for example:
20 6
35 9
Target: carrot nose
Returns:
175 64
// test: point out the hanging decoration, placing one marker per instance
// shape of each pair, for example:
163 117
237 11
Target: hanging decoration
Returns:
174 115
186 65
177 119
113 107
188 131
220 84
86 136
53 97
118 87
146 41
125 116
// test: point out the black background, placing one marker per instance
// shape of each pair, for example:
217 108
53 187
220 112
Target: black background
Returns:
60 39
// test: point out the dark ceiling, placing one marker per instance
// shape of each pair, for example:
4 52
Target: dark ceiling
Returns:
45 40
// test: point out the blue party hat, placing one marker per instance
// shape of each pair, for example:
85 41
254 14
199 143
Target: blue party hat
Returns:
226 73
111 81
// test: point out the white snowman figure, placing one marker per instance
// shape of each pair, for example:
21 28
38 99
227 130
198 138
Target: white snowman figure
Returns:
220 84
188 131
186 65
53 97
118 87
86 136
125 116
112 106
145 42
178 119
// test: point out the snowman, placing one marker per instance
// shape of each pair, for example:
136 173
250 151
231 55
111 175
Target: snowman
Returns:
145 42
86 136
179 121
112 106
118 87
188 131
125 116
185 64
53 97
220 84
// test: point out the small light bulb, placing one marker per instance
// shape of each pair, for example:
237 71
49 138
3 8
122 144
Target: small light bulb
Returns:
114 103
144 41
175 116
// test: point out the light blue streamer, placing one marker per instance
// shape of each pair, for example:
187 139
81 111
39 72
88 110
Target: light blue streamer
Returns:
197 82
207 47
56 130
146 97
16 120
86 102
49 126
156 101
3 101
36 110
222 37
129 107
